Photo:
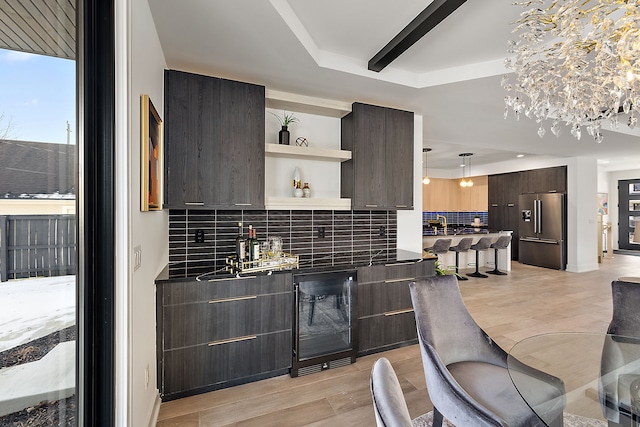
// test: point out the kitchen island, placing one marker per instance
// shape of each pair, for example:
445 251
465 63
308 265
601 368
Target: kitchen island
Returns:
468 259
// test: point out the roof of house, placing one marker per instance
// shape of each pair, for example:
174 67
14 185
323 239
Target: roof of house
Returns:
37 169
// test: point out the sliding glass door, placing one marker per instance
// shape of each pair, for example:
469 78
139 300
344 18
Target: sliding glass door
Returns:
56 212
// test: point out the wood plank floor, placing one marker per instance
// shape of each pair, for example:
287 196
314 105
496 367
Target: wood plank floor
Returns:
529 301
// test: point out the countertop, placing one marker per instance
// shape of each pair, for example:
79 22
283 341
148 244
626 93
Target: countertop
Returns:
401 256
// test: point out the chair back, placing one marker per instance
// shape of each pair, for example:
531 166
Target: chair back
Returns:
482 244
440 246
502 242
444 323
626 314
620 355
388 401
463 245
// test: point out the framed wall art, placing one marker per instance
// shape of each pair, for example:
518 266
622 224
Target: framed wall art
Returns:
151 156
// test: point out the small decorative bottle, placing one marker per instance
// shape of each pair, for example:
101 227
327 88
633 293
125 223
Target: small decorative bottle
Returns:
296 182
306 191
298 191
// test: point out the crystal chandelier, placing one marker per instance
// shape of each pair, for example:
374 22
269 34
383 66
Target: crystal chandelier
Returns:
577 62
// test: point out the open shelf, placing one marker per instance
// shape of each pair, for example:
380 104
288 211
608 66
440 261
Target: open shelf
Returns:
294 151
312 203
306 104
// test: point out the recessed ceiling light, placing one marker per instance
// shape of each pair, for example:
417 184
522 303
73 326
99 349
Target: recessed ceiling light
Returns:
520 155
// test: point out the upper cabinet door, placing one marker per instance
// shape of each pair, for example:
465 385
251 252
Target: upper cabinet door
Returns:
369 157
189 123
214 142
238 179
399 158
380 174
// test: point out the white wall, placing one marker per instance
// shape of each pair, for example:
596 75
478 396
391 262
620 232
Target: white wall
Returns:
410 221
144 70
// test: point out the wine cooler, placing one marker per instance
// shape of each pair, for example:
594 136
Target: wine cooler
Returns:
325 322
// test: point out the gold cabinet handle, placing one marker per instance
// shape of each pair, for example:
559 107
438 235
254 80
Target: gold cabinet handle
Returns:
194 203
232 340
404 279
399 263
232 278
216 301
395 313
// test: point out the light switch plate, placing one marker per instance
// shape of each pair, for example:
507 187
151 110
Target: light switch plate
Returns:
137 257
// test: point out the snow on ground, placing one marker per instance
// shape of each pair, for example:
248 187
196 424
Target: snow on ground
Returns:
33 308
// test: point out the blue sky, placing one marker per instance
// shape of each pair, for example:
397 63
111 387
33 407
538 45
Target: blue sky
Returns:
37 96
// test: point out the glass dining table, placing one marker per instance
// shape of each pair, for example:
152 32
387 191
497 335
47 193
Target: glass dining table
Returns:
600 372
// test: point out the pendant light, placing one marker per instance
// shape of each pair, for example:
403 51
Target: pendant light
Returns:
425 179
466 182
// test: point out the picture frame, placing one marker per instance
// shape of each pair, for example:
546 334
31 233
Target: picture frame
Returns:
151 156
603 203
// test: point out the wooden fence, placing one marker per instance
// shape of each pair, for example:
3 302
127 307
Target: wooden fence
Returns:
37 246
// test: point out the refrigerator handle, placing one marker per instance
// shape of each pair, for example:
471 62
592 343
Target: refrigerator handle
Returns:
535 216
539 216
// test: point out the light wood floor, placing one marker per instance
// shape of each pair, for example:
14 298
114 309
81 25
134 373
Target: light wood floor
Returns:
528 301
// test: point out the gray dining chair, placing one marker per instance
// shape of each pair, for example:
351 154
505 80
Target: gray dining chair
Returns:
619 385
468 380
389 405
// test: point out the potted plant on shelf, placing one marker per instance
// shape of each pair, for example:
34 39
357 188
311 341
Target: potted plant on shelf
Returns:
285 121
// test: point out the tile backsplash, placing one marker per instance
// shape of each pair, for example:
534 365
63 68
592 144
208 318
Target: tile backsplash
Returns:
350 237
453 218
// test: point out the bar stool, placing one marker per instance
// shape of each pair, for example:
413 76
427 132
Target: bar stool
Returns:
501 243
463 246
481 245
440 246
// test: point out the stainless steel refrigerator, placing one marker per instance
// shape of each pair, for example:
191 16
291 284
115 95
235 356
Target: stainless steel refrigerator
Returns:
543 224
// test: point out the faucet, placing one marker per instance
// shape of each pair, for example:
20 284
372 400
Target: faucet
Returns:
444 223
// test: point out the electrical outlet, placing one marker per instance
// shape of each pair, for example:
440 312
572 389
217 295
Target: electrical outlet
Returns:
199 236
137 257
382 231
321 232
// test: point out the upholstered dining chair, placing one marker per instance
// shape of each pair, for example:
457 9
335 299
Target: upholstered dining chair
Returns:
389 405
466 371
619 384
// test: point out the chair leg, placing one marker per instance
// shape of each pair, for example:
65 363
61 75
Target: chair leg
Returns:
495 270
458 267
477 272
437 418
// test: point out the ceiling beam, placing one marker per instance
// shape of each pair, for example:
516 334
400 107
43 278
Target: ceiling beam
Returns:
433 14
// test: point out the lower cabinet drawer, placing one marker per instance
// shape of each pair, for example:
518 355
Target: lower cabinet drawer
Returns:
391 328
196 323
213 364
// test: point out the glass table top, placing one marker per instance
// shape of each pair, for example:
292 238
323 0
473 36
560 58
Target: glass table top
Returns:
578 360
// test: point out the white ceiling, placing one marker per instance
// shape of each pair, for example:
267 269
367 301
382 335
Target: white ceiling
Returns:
321 48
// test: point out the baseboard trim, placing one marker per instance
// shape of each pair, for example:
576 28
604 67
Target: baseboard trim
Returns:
155 412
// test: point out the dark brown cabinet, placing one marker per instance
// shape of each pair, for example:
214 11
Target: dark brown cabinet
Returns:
214 142
222 332
504 192
380 173
546 180
385 312
190 111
